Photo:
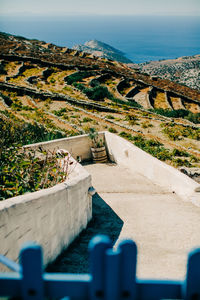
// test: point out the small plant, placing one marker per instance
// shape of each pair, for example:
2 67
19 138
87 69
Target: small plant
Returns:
178 162
86 119
75 116
97 142
130 118
177 152
52 80
126 135
146 125
110 117
60 112
112 130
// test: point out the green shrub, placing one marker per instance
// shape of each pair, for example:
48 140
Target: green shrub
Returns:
176 132
146 125
126 135
179 113
195 118
22 171
25 133
97 93
86 119
151 146
173 134
60 112
178 162
131 103
6 99
79 86
2 70
78 76
110 117
177 152
52 80
130 118
112 130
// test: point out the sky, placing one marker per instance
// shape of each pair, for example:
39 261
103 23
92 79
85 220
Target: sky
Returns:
100 7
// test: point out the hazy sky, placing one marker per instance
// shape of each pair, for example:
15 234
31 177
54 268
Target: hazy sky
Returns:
109 7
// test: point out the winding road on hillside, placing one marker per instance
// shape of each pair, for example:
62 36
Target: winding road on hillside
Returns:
130 206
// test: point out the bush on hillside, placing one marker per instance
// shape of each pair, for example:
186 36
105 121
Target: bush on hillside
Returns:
78 77
179 113
23 171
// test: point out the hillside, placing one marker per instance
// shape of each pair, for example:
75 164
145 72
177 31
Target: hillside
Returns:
69 91
103 50
184 70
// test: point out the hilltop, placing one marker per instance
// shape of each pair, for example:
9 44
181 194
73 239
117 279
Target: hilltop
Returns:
68 91
103 50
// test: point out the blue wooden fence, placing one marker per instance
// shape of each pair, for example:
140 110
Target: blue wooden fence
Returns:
112 276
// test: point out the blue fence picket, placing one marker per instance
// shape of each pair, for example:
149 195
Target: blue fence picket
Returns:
32 272
128 270
112 276
97 248
192 283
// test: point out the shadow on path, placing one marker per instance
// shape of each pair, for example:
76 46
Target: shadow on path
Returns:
75 258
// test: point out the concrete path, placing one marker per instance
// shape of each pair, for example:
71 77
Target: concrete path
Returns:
164 227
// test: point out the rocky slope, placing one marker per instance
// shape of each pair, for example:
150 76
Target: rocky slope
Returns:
101 49
184 70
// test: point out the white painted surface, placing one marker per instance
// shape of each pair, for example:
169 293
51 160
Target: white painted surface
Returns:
78 146
164 227
52 217
126 154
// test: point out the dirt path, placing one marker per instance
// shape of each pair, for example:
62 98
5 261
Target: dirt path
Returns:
130 206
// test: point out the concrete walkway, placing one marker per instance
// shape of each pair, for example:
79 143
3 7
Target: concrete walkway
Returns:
164 227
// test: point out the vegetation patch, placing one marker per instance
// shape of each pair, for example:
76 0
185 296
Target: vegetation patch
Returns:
177 132
151 146
86 119
24 171
179 113
112 130
98 92
78 77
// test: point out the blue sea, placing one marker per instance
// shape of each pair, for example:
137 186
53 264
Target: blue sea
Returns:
141 38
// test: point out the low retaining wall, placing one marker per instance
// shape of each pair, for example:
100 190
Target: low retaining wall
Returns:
126 154
52 217
78 146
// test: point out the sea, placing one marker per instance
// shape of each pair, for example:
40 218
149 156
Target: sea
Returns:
141 38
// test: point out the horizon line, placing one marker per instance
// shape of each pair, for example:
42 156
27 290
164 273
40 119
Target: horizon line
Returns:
73 14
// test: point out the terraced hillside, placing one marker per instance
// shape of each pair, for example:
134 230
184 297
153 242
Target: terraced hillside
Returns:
72 91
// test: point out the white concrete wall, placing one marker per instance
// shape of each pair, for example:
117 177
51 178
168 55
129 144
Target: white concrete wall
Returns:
76 145
52 217
126 154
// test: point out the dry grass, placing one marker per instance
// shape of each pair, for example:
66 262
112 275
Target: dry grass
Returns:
160 101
